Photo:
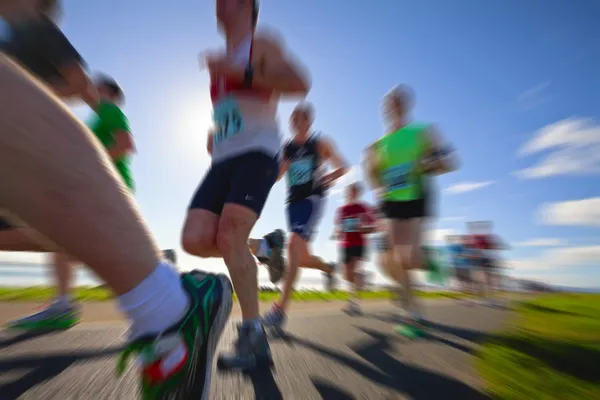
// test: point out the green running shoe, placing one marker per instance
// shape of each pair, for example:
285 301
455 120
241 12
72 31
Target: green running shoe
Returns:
178 363
54 317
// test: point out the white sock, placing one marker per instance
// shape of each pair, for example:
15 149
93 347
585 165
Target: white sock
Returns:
156 304
263 248
63 301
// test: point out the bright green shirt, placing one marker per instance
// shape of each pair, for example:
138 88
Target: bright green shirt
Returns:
397 156
107 121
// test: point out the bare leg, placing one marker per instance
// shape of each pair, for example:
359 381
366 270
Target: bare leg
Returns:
232 237
297 252
199 236
58 180
63 273
19 239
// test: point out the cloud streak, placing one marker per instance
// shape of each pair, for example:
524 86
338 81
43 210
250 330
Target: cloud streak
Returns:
468 186
572 147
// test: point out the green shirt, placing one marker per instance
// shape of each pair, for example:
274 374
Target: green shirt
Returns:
397 156
108 120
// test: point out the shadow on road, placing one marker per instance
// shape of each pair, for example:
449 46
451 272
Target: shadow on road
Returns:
43 368
264 385
329 391
21 337
412 381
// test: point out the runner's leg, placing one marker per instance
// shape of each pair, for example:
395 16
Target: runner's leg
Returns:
40 142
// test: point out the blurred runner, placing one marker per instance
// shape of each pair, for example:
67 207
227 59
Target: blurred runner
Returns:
352 221
247 80
304 158
396 166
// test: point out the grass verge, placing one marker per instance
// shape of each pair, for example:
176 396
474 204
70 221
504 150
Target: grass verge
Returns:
42 293
551 352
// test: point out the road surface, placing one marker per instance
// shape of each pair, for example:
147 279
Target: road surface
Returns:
326 355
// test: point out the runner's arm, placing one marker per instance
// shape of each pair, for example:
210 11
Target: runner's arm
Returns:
123 140
75 81
283 168
209 141
371 169
329 153
444 160
278 70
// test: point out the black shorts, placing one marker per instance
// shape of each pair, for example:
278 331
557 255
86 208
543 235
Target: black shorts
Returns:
404 209
348 253
246 180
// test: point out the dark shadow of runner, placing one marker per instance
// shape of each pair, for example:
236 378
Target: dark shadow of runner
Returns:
415 382
43 368
328 391
21 336
264 385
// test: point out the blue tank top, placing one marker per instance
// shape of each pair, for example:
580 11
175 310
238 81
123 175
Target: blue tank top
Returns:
304 173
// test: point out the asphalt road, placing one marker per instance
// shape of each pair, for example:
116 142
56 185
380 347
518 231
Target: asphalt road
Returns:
325 355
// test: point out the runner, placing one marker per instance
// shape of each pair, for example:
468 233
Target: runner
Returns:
484 246
268 250
460 261
57 179
352 221
395 166
247 82
111 127
305 156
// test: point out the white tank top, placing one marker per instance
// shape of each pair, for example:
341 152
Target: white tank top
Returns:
244 118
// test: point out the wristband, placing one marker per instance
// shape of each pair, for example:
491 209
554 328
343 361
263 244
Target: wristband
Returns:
248 76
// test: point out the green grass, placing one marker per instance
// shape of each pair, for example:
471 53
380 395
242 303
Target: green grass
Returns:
40 294
551 352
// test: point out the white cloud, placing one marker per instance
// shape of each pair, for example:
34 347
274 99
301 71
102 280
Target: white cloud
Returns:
559 258
573 145
585 212
542 242
534 96
463 187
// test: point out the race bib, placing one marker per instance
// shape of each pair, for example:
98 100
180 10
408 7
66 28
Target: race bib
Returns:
398 176
350 224
300 171
228 120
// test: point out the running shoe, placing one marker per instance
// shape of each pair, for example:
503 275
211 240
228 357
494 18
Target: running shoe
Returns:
251 351
330 278
352 308
274 318
56 316
178 363
275 261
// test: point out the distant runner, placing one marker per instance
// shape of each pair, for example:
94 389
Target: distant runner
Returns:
352 222
460 260
484 245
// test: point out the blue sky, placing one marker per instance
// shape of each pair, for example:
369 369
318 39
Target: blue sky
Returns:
490 74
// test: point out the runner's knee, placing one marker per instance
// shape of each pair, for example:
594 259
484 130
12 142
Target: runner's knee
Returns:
199 234
234 229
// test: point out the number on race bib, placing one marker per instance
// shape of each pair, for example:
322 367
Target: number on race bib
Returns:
397 177
300 172
351 224
228 120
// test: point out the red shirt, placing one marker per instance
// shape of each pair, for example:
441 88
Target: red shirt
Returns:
483 242
350 219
